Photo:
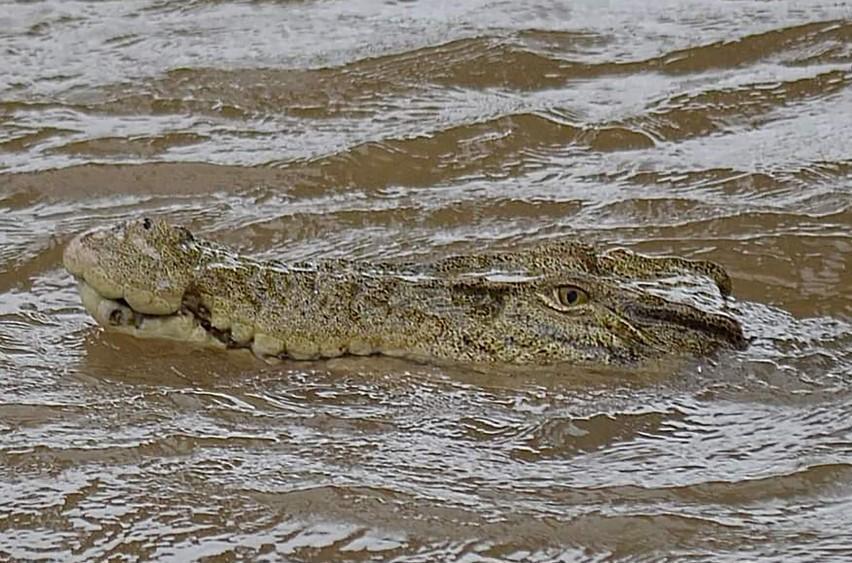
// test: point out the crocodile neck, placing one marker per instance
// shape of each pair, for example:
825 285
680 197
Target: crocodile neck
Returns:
329 308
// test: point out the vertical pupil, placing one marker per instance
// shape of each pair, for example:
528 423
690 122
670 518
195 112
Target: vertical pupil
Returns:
571 296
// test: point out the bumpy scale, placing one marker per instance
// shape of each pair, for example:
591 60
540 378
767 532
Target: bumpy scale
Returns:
562 302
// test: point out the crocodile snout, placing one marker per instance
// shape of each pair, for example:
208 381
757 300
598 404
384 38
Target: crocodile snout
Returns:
717 326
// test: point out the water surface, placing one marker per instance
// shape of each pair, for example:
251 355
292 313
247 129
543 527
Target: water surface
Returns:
716 130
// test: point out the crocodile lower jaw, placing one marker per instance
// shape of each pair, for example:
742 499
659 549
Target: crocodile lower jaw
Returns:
181 326
190 324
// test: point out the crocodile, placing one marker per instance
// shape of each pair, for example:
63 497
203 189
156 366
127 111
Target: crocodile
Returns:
562 302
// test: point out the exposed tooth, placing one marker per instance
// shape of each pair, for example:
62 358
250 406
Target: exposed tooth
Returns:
360 347
331 349
150 304
242 333
265 345
121 318
184 328
302 350
106 311
220 321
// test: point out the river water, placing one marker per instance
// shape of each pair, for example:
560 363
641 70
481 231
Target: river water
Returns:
715 129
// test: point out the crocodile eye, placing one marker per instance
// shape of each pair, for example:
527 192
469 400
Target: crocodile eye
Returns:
570 296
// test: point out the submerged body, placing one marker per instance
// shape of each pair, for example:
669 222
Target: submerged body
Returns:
556 303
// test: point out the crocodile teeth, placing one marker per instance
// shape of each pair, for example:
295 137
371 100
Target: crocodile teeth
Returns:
119 316
148 303
106 311
265 345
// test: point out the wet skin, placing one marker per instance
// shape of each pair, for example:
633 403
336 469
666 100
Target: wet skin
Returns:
562 302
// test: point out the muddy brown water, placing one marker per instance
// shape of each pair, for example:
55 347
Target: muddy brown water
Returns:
717 129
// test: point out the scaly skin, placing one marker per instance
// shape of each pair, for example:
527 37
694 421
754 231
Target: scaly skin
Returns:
556 303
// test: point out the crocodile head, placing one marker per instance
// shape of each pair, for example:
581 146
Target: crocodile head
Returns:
585 319
150 279
146 263
133 272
